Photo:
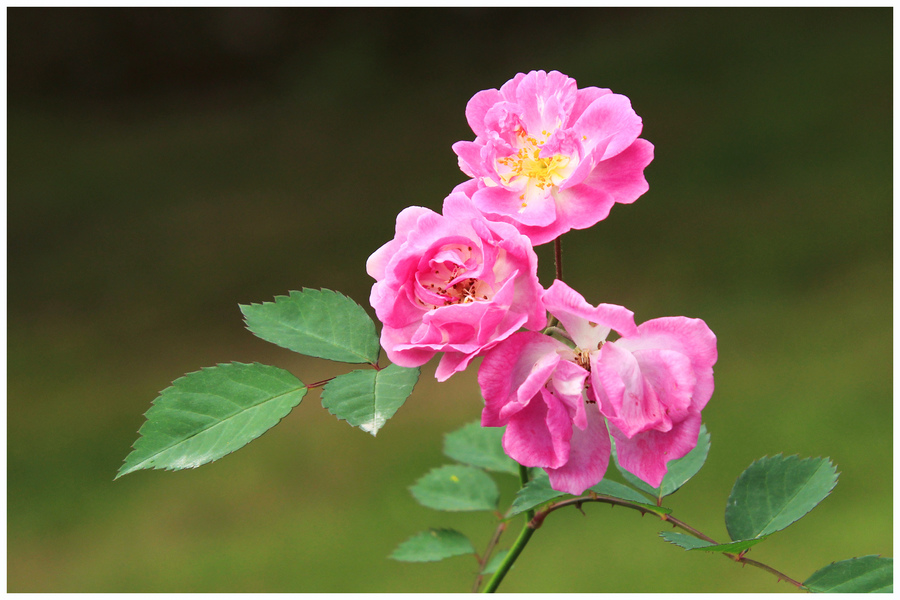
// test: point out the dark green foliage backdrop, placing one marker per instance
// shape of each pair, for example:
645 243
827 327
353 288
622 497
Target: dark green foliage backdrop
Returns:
166 165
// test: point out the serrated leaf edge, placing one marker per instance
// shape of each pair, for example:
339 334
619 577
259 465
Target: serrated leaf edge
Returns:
432 531
890 558
122 471
290 294
370 426
781 455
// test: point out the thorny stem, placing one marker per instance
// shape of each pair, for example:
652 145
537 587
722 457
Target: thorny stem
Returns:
538 520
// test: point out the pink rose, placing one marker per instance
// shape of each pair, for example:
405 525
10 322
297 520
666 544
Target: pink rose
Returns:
650 384
454 283
548 157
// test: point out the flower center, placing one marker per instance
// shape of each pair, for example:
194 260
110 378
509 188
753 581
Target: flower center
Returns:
540 172
583 358
446 283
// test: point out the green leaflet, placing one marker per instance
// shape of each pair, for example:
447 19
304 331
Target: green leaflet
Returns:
433 544
863 574
456 488
679 471
614 489
319 323
774 492
689 542
366 398
209 413
536 492
479 446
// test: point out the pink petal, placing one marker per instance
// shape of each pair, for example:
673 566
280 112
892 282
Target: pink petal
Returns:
503 201
546 99
406 222
671 377
538 435
691 337
646 454
620 178
589 452
478 107
470 161
630 404
568 386
506 367
582 206
588 325
583 99
609 124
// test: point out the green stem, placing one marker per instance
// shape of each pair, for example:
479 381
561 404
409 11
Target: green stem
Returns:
518 545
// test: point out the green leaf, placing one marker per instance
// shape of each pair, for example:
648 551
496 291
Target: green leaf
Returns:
367 398
615 489
431 545
319 323
776 491
689 542
622 492
456 487
679 470
209 413
494 563
480 447
536 492
863 574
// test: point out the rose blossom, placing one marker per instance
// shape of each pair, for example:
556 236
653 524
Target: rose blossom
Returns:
650 384
549 157
454 283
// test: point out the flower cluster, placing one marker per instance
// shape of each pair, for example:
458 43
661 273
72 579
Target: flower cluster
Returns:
547 157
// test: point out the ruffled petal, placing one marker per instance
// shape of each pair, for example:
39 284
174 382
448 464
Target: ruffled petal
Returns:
646 454
478 107
588 325
507 366
589 451
632 406
539 434
610 125
691 337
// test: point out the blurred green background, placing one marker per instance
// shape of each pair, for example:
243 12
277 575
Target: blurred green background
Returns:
165 165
